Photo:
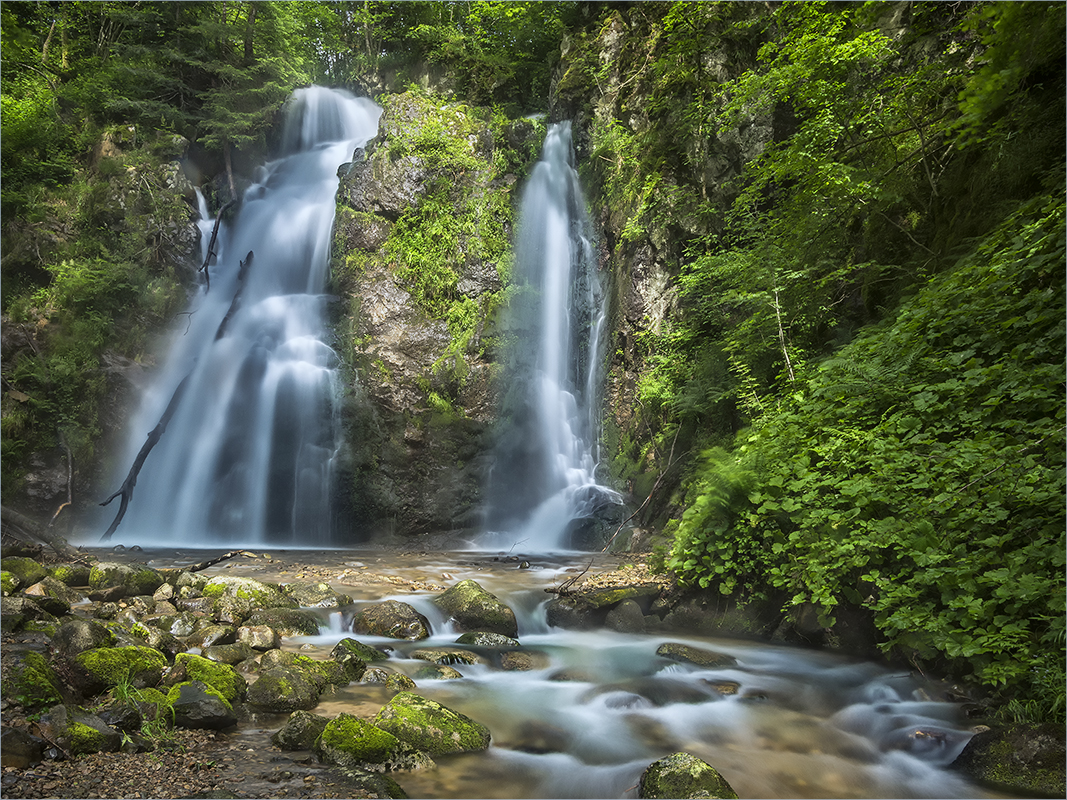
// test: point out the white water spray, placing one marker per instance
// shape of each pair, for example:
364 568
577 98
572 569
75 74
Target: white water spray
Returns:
248 457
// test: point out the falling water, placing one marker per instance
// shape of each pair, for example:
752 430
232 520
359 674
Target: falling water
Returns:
544 481
248 456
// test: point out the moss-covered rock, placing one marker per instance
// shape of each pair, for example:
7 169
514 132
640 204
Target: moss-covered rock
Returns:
31 682
228 653
433 672
1027 760
698 656
9 582
429 726
197 705
683 776
282 690
357 648
17 611
472 608
72 574
261 595
104 667
300 731
399 682
484 639
53 596
393 619
27 570
79 732
445 655
135 579
351 742
321 673
223 678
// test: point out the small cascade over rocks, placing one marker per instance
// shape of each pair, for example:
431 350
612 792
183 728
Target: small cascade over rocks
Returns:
543 483
247 457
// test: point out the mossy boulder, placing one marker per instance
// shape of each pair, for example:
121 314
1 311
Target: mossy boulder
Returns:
31 682
472 608
393 619
358 648
9 582
104 667
321 673
79 732
432 672
72 574
166 643
683 776
53 596
223 678
260 594
135 579
350 742
228 653
1025 760
445 655
431 727
27 570
15 612
399 682
286 621
352 663
300 731
76 635
313 594
697 656
282 690
214 634
197 705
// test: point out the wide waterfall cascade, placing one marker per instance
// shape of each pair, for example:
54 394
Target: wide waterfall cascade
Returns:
544 476
248 456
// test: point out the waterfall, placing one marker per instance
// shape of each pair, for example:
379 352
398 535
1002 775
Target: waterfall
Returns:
543 483
247 458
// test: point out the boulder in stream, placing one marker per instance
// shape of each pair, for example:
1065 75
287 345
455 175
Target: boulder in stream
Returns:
1026 760
223 678
683 776
429 726
697 656
393 619
134 579
472 608
283 689
351 742
300 731
197 705
79 732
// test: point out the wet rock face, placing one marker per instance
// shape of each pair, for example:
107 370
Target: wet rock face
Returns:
430 727
393 619
472 608
1024 759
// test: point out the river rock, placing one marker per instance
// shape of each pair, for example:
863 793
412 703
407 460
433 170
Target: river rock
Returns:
282 690
76 635
376 675
79 732
287 621
626 617
213 634
16 612
430 726
258 637
72 573
432 672
585 609
351 742
1026 760
310 594
197 705
261 595
484 639
472 608
166 643
223 678
707 659
523 660
358 648
19 749
320 673
228 653
393 619
445 655
683 776
9 584
300 731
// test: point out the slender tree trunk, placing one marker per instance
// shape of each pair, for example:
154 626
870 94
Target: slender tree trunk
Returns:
781 332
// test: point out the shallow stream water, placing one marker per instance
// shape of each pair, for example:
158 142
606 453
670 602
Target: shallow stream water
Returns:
601 705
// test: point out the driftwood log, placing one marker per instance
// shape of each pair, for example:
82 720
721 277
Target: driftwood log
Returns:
27 530
211 244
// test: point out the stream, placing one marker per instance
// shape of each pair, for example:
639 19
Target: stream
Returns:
600 706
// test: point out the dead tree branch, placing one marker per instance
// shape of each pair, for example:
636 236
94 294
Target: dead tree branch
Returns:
211 243
126 490
236 302
564 588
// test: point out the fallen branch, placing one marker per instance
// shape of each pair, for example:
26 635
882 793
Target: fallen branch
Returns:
236 302
28 529
126 490
564 588
211 243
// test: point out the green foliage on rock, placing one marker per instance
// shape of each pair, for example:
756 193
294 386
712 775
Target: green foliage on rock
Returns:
32 683
221 677
347 739
111 666
428 726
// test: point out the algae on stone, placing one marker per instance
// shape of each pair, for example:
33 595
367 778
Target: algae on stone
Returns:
430 726
472 608
223 678
683 776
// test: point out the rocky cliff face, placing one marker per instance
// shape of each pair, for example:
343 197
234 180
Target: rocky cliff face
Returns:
422 254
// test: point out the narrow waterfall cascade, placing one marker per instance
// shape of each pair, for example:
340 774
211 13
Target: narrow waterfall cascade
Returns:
247 456
543 484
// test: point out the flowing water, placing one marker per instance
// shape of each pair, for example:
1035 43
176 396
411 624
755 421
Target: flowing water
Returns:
248 456
600 706
544 478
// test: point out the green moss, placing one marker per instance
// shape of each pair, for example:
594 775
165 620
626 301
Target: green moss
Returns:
431 727
355 737
84 739
9 582
221 677
72 574
27 570
31 683
114 665
682 775
41 626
